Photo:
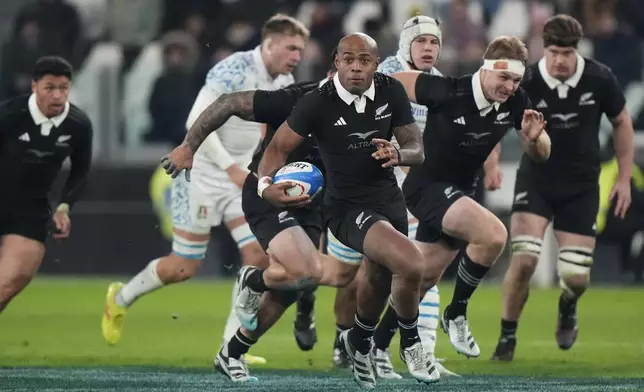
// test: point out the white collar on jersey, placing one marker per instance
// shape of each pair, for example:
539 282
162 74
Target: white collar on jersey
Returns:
482 103
40 118
349 98
570 82
261 66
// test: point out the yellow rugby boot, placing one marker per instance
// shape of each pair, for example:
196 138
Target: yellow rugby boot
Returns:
113 316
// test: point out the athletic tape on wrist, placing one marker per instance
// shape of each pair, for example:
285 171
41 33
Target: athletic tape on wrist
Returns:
262 184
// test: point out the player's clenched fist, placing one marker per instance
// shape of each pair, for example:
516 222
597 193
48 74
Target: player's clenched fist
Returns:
386 150
532 124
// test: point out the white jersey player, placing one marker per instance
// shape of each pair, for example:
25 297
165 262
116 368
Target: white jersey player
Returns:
213 196
418 49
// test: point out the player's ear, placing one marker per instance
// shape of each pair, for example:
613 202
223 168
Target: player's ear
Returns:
34 86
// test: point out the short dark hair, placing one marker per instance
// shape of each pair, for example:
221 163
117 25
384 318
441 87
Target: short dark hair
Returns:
506 47
562 30
284 24
51 65
333 54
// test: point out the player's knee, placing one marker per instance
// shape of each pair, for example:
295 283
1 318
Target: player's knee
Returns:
176 268
253 254
411 264
10 286
525 252
573 268
496 236
347 274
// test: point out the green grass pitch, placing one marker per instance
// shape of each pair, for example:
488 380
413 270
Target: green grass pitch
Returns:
50 340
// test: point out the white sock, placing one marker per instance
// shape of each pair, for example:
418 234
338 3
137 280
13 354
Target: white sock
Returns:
428 316
144 282
232 324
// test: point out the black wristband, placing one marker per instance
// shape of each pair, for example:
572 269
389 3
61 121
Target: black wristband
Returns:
397 152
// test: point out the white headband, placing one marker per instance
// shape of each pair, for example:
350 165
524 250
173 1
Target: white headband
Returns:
504 65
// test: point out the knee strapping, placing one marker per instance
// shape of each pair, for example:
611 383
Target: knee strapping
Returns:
573 261
526 245
243 235
193 250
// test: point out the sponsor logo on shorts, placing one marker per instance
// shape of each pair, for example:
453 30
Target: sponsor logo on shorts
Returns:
283 217
521 198
449 192
361 220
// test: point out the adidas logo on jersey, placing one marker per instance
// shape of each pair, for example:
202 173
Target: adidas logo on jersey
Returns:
460 120
24 137
542 104
340 122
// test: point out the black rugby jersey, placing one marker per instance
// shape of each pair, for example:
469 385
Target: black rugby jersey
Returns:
344 137
573 111
33 149
462 128
273 108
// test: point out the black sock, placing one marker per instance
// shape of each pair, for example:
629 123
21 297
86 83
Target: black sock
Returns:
239 345
361 334
567 303
306 302
339 328
508 328
408 331
468 277
386 329
256 282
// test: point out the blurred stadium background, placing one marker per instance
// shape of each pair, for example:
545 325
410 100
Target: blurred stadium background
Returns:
139 65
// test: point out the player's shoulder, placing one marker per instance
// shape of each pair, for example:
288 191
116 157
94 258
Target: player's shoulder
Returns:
519 99
233 72
287 95
597 70
382 81
391 65
78 116
14 106
531 74
300 89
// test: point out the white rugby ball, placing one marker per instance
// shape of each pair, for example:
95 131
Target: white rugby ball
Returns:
307 178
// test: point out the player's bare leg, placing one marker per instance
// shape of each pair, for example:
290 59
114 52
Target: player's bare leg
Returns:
20 258
441 256
396 259
293 250
527 231
188 249
345 310
229 359
486 236
346 297
573 267
251 254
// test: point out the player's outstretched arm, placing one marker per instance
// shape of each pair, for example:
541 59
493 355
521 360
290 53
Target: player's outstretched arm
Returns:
212 118
410 140
238 104
408 80
275 156
534 139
